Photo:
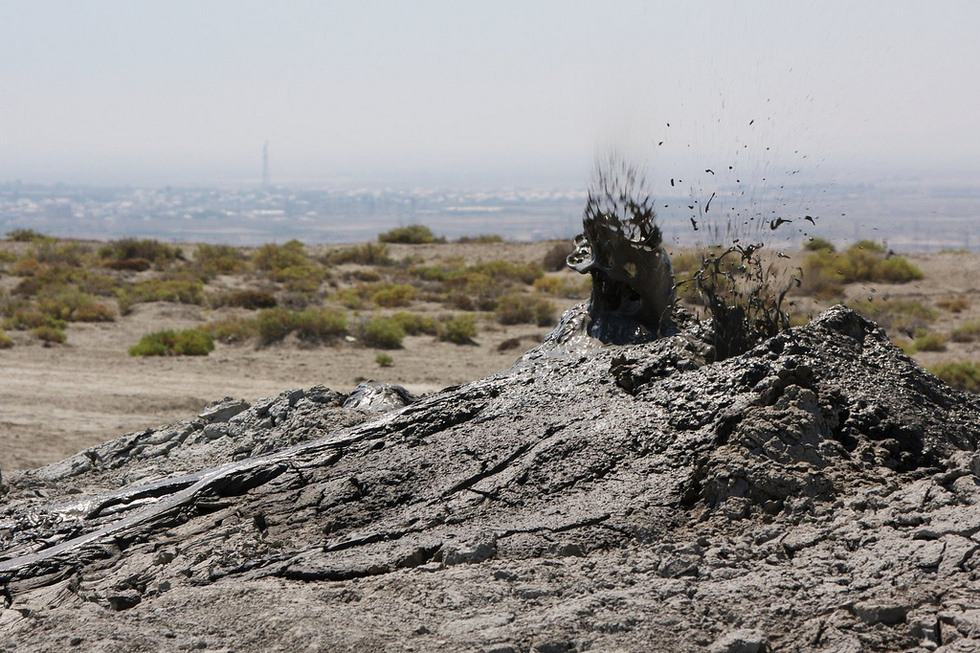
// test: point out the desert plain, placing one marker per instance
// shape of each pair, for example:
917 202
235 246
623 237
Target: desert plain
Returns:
59 398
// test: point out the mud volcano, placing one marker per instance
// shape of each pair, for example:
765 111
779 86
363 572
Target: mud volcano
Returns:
817 492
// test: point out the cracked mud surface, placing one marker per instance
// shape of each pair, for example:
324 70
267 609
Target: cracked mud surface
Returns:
816 493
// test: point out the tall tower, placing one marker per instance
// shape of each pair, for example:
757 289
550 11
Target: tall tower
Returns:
265 166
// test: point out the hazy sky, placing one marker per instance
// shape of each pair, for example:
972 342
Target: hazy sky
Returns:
188 91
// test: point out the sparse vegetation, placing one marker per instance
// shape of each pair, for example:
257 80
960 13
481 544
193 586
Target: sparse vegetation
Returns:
459 329
366 254
63 282
956 304
54 253
825 272
48 333
6 342
247 299
968 332
24 318
25 236
70 305
312 325
190 342
902 315
353 298
290 265
212 260
815 244
393 295
522 309
383 333
482 239
130 249
232 330
319 324
567 286
414 234
273 324
384 360
178 291
414 324
929 342
963 375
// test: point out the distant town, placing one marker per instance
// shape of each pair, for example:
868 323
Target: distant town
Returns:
909 217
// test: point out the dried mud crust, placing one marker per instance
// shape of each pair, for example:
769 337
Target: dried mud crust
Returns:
816 493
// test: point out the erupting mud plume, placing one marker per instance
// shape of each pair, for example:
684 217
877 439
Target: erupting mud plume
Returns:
634 291
621 246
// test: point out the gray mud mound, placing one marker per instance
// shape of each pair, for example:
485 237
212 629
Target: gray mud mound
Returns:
818 492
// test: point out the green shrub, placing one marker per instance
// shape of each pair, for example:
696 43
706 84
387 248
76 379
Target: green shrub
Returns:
366 254
353 298
290 265
384 360
459 329
435 273
868 245
577 287
482 239
160 290
273 324
271 256
366 274
29 318
302 279
414 234
212 260
895 270
929 342
904 315
190 342
231 330
521 309
959 374
524 273
414 324
128 264
393 295
5 341
478 284
824 271
383 332
70 305
952 304
50 279
132 248
248 299
49 333
52 252
319 324
814 244
25 267
25 236
462 302
967 332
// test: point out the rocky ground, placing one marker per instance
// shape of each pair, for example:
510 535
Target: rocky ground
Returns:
817 493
